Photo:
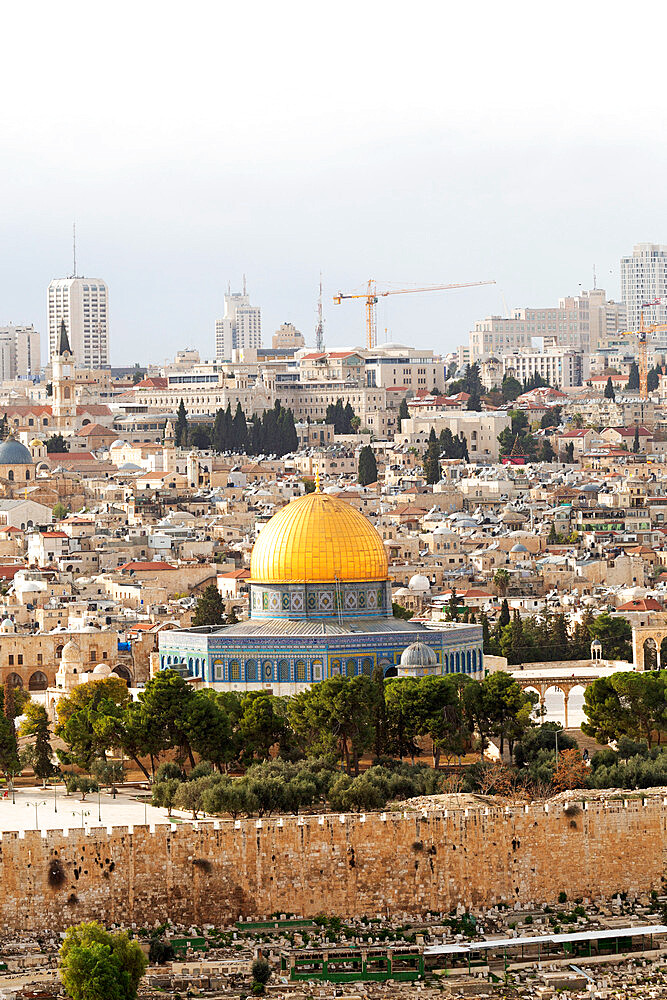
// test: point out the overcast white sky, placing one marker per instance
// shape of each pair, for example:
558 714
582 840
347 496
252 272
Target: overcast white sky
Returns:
421 142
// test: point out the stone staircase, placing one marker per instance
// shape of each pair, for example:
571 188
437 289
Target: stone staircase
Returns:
585 742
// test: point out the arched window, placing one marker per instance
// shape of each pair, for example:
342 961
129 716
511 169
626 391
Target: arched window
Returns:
335 668
234 670
59 652
251 670
350 668
283 670
367 666
27 473
14 681
66 393
268 670
317 670
190 665
38 681
468 661
10 475
458 662
474 659
301 670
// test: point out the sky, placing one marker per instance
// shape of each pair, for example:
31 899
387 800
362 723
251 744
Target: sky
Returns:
415 144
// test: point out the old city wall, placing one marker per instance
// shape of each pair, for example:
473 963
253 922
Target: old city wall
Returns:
347 865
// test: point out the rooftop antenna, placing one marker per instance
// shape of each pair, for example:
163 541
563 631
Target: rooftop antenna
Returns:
74 247
595 279
319 329
244 291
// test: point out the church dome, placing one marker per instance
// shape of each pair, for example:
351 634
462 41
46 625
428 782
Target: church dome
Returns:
418 654
419 584
12 452
318 538
71 652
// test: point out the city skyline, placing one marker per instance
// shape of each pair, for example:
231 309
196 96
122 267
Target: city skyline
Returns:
428 159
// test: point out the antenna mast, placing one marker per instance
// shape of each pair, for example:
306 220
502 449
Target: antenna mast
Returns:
595 278
74 247
319 329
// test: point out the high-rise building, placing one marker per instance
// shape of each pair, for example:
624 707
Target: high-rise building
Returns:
241 325
581 322
20 354
644 279
83 303
287 337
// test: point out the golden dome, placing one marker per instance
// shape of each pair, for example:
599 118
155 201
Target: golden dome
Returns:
318 538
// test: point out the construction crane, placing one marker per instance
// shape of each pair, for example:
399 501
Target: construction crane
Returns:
371 296
642 340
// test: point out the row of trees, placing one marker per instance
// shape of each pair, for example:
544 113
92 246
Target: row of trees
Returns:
548 637
341 718
342 417
519 436
627 704
280 786
445 446
272 433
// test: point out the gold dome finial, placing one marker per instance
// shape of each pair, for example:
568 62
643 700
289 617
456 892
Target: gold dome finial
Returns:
317 479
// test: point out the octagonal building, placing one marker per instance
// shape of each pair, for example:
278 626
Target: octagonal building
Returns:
320 606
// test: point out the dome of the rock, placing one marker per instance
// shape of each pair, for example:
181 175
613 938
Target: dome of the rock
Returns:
318 538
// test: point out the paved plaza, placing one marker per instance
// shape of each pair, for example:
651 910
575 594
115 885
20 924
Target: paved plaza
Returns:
51 809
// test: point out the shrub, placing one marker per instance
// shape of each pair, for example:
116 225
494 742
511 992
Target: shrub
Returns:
169 770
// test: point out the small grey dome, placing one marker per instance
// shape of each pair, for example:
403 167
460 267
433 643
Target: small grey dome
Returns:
12 452
418 654
518 548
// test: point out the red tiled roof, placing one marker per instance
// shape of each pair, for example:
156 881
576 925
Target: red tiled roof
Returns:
92 429
71 456
236 574
54 534
630 431
95 410
642 604
153 382
20 410
9 572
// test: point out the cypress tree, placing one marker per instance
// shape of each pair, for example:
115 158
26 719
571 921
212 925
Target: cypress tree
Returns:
240 430
368 470
504 618
217 440
431 460
181 429
403 412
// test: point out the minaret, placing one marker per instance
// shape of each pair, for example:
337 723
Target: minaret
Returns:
64 384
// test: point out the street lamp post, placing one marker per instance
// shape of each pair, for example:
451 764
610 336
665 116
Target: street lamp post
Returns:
99 807
55 796
13 793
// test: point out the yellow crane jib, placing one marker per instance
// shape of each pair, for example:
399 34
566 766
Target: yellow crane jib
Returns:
371 296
